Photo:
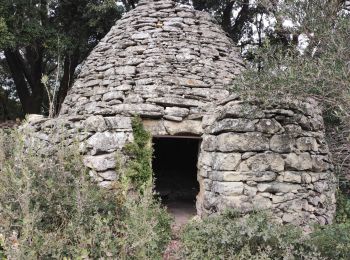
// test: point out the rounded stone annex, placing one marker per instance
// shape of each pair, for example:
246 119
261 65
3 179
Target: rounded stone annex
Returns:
173 66
158 56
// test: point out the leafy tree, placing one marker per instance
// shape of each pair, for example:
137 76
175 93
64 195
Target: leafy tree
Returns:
45 37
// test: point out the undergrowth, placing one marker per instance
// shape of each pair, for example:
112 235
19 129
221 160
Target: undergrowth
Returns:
51 209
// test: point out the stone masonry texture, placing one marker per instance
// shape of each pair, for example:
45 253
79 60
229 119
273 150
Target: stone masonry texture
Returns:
174 67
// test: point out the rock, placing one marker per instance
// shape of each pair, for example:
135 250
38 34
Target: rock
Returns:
235 176
115 95
145 110
278 187
228 188
259 176
127 70
100 163
261 203
177 112
269 126
282 143
233 125
185 127
155 127
299 162
107 142
292 177
239 110
108 175
119 123
140 36
307 144
246 142
174 101
95 124
194 83
225 162
263 162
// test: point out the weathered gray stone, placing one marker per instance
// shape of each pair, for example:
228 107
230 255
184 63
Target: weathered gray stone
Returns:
119 123
108 175
307 144
299 162
174 66
95 124
225 162
233 125
107 142
269 126
278 187
155 127
282 143
245 142
228 188
100 162
184 127
263 162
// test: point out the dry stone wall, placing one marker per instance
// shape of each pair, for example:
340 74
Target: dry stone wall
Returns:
252 156
257 157
159 56
173 66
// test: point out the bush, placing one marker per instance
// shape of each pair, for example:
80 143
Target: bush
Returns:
253 237
49 208
332 241
146 229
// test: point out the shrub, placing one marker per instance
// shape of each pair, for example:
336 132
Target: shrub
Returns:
49 208
139 168
146 229
256 236
332 241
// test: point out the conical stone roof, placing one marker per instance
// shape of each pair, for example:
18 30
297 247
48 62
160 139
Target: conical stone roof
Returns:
159 56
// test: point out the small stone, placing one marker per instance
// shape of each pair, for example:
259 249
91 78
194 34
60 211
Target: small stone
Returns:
108 175
100 162
269 126
299 162
95 124
263 162
307 144
228 188
184 127
225 161
244 142
140 36
282 143
107 142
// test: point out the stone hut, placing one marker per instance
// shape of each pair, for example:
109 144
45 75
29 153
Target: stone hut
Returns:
174 66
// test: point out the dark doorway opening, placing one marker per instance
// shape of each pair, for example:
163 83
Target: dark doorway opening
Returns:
175 169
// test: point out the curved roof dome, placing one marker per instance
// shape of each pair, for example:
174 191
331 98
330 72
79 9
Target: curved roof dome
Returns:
158 56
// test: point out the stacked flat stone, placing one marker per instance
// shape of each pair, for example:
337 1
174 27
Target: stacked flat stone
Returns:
173 66
160 60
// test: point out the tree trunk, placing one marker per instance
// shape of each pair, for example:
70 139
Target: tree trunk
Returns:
70 64
27 78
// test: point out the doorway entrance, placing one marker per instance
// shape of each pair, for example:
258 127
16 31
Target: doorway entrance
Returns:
175 170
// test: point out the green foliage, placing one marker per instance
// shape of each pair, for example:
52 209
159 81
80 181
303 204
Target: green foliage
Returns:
146 228
343 207
332 241
50 209
6 38
256 236
139 168
321 73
